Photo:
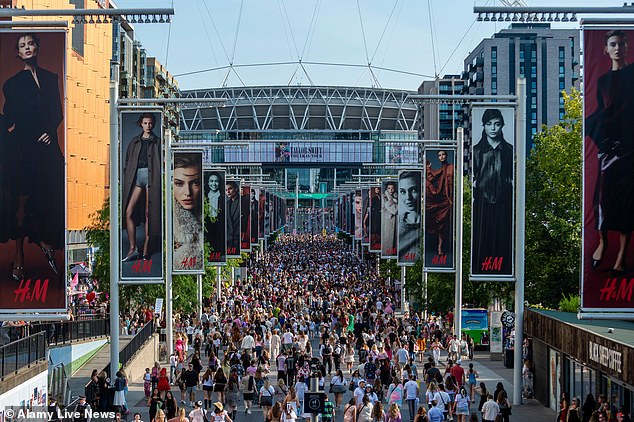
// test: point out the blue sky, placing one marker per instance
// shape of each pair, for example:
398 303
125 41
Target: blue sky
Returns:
398 35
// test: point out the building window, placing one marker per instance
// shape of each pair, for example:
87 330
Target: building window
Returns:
562 54
494 53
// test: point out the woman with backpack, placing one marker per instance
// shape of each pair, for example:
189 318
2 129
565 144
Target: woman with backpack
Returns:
395 392
247 385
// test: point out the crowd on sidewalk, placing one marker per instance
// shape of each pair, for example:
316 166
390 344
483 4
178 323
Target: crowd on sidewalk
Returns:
310 307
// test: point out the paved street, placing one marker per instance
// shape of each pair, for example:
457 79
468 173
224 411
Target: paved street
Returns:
491 372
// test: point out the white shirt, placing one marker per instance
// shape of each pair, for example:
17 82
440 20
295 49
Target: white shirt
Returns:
442 398
248 342
411 390
358 395
490 410
287 337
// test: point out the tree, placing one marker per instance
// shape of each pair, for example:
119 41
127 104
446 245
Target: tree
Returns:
553 208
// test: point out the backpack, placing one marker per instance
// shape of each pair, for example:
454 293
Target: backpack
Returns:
396 395
370 370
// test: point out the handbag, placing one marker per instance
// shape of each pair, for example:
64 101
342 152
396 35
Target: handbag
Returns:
351 386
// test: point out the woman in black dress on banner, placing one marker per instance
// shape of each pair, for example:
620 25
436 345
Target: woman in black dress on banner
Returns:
492 198
611 128
33 160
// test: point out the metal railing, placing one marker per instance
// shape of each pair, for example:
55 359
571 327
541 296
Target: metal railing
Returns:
58 333
22 353
58 385
125 355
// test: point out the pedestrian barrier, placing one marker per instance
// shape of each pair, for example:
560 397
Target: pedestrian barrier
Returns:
22 354
59 333
125 355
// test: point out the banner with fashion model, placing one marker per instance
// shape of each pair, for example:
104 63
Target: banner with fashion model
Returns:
254 206
261 213
245 218
32 172
439 240
232 213
365 209
493 182
409 216
608 169
215 217
267 214
389 218
141 164
358 215
375 218
187 213
351 208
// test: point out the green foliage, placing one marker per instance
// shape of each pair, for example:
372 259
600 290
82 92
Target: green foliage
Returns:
98 236
571 303
553 208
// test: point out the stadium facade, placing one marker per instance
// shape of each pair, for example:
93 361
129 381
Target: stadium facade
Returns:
310 134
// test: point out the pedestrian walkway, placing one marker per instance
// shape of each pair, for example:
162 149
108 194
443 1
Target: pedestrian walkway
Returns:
99 361
491 372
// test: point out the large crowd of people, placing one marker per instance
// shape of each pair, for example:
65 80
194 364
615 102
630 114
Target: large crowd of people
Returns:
311 308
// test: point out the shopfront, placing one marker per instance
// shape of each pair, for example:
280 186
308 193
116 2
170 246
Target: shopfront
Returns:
580 357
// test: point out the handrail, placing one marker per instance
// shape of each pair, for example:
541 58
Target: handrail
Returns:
58 333
126 354
22 353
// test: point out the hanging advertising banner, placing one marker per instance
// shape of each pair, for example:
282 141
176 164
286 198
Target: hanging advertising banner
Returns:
409 216
232 212
375 219
141 195
254 205
439 239
32 172
351 221
261 213
493 182
365 200
358 215
401 154
284 214
187 213
389 218
267 213
608 169
245 218
215 217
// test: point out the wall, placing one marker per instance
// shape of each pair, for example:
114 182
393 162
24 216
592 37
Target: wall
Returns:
144 358
75 355
32 391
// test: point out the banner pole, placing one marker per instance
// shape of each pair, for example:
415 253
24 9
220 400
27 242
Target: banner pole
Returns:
199 278
169 323
115 262
459 232
520 207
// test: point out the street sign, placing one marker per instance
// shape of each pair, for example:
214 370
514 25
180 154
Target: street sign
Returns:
314 402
